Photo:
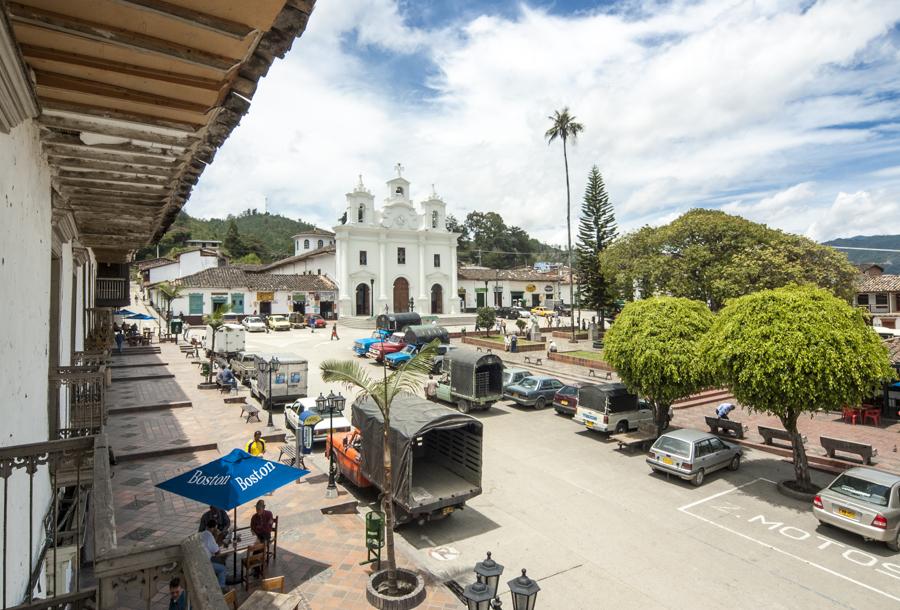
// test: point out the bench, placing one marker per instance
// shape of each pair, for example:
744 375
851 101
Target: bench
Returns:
644 437
536 361
866 452
715 423
594 373
251 412
486 349
289 449
771 433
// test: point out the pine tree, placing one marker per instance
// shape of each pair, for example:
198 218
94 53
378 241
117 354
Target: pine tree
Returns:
233 244
596 230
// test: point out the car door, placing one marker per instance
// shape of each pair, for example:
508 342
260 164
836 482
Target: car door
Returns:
645 411
552 388
720 455
702 455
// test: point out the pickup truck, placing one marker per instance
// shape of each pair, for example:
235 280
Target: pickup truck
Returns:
243 365
415 338
435 451
361 346
379 350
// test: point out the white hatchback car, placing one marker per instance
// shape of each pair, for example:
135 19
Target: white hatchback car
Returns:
253 324
320 431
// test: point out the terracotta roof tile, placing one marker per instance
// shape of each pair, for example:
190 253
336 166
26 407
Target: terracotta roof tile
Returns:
235 277
879 283
523 275
298 258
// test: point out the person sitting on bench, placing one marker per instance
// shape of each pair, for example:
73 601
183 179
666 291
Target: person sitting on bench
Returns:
222 522
724 409
226 378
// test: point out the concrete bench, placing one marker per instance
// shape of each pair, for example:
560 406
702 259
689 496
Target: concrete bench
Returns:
536 361
250 411
594 373
772 433
717 423
289 450
866 452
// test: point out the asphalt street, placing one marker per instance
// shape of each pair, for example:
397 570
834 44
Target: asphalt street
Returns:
598 530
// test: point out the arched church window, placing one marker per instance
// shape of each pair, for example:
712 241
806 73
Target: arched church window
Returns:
434 219
360 215
321 243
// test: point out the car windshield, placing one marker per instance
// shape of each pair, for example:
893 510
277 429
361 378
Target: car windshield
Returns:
277 318
529 382
568 390
253 320
861 489
674 446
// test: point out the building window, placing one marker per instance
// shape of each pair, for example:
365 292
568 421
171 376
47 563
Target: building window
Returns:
437 260
318 272
361 213
321 243
306 244
401 256
434 220
881 299
363 257
862 299
195 304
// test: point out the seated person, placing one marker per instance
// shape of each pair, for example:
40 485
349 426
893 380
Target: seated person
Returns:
226 378
221 521
262 522
208 539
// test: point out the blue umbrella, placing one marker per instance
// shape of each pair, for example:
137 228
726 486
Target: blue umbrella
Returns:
139 316
123 312
232 480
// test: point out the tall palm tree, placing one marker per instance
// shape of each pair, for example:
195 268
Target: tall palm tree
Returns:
407 379
169 292
564 127
215 320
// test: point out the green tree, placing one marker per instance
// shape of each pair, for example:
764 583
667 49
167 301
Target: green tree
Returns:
169 292
654 346
248 259
795 350
596 231
711 256
565 127
407 379
233 244
485 318
215 320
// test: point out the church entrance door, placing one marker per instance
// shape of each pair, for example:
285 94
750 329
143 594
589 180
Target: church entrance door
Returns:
362 300
401 295
437 299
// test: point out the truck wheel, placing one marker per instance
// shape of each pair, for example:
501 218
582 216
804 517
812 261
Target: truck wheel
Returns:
621 427
540 403
463 405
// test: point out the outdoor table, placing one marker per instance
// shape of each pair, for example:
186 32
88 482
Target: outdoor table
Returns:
269 600
230 550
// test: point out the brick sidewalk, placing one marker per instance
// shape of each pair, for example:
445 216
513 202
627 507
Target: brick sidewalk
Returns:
319 554
884 438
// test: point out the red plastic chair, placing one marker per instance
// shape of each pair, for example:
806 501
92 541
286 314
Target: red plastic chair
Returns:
874 415
850 414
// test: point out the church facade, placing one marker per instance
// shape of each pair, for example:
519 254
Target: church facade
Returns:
398 258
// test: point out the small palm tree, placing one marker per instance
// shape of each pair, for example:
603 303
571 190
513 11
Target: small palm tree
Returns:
407 379
564 127
215 320
169 292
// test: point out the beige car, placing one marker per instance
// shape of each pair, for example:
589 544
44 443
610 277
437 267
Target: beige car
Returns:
864 501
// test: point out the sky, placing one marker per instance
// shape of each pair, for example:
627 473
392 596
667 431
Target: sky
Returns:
785 112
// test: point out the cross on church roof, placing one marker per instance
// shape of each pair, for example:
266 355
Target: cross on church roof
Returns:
399 169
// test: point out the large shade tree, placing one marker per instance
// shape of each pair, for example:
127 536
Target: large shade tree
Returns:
564 127
596 231
654 346
408 379
795 350
711 256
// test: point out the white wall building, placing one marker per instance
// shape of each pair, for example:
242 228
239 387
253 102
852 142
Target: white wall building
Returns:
315 239
396 257
318 261
485 287
186 263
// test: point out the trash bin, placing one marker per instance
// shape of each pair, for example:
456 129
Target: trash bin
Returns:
176 326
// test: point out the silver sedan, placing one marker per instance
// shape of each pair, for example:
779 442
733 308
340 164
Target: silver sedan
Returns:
863 501
691 455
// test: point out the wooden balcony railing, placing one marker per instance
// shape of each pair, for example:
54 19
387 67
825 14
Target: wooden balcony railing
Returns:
99 326
112 292
83 400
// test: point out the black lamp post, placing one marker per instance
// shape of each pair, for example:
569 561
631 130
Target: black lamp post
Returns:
412 304
524 592
268 367
479 594
488 572
372 298
332 403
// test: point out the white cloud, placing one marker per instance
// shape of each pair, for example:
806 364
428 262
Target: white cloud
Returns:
683 103
859 213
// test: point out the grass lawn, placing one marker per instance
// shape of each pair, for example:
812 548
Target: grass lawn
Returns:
499 339
585 354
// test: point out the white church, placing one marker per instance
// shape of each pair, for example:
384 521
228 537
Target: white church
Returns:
397 258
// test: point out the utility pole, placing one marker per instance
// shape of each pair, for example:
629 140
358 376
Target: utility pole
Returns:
479 257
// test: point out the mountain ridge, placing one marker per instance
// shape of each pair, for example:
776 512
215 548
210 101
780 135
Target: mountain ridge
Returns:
890 261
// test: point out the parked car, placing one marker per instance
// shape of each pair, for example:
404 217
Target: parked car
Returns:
563 310
243 365
316 321
692 454
863 501
394 343
397 359
524 312
415 337
565 401
470 380
611 408
297 319
278 323
541 311
253 324
513 376
361 346
534 391
320 430
508 313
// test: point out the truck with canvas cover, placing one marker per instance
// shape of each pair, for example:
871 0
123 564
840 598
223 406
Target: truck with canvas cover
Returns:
397 322
416 337
470 380
289 382
230 339
435 455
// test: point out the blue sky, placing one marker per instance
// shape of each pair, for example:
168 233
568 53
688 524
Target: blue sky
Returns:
787 112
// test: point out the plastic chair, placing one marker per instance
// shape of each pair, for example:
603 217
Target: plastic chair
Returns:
276 583
874 415
850 415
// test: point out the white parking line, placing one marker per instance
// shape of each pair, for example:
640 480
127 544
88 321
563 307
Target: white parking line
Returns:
685 508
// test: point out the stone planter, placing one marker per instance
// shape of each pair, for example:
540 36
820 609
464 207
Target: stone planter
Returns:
589 363
787 489
567 334
411 600
497 347
209 386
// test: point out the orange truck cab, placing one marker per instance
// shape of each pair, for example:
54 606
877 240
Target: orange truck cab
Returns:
347 447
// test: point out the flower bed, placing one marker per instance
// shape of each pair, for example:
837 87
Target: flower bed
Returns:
496 342
592 360
567 334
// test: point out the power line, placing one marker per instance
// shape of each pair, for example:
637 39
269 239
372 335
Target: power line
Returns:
865 249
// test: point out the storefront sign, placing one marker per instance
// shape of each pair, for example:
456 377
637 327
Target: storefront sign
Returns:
326 296
265 296
530 288
548 288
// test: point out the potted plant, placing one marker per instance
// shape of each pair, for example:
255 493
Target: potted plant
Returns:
389 588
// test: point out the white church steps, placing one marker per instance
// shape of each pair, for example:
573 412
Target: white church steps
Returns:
448 320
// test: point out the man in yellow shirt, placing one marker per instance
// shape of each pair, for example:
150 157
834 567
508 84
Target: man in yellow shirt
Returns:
257 446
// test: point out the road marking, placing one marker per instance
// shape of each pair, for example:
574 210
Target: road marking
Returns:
684 509
444 553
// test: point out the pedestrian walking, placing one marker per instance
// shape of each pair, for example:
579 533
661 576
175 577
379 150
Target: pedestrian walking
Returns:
257 446
120 339
513 344
334 335
506 342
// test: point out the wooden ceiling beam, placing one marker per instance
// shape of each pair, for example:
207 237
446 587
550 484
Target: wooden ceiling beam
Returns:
114 177
64 82
72 141
63 162
77 203
105 241
86 152
108 65
111 187
71 124
87 192
218 25
49 103
107 34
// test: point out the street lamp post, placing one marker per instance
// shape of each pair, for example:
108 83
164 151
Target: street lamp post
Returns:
479 595
332 403
372 298
268 367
